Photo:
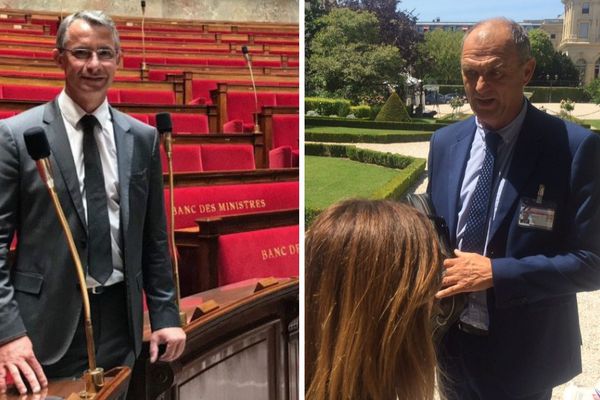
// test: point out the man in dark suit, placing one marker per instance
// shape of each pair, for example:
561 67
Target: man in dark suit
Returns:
520 191
122 242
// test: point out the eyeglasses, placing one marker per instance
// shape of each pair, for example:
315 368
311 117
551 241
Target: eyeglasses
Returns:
103 54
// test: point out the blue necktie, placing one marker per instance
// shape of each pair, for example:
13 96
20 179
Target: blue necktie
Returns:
99 253
476 226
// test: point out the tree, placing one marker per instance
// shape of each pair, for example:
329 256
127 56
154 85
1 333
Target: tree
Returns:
550 64
315 9
593 89
439 57
396 28
348 61
543 51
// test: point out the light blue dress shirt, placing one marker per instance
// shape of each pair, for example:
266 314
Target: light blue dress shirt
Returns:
476 313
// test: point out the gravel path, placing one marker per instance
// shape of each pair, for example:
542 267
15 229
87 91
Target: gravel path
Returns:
589 303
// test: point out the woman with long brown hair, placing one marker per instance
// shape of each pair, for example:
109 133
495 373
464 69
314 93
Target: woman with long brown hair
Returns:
372 270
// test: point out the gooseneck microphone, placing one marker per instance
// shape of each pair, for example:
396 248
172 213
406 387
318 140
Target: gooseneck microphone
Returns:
39 150
248 59
143 4
165 128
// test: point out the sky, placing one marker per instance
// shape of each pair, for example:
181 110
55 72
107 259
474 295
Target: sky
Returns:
475 10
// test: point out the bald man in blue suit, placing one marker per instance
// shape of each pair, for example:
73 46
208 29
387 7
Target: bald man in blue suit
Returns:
518 336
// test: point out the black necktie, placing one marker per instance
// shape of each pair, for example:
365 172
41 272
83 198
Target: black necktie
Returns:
99 253
476 226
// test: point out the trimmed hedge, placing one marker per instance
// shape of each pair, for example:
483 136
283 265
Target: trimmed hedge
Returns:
410 169
541 94
357 123
362 111
325 106
400 137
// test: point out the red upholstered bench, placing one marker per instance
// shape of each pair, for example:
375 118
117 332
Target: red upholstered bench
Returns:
145 118
196 202
285 138
27 92
186 158
258 254
161 75
227 157
7 114
136 61
184 123
230 248
146 96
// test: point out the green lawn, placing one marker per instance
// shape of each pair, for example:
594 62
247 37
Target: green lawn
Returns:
330 179
360 131
595 123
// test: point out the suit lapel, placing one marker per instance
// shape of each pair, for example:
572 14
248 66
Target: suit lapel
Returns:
63 157
459 155
124 143
524 159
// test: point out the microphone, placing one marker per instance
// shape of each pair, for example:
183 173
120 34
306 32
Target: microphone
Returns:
165 128
39 150
246 54
249 62
143 4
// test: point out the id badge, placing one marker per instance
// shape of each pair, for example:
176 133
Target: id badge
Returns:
536 214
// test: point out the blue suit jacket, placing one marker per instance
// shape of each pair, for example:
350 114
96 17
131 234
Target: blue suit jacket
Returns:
534 327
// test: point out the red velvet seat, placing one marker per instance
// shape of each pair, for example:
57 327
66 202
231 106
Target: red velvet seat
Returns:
287 99
189 123
196 202
242 105
227 157
141 117
258 254
285 141
201 88
186 158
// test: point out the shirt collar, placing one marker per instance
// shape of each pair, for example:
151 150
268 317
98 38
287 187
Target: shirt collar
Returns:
510 131
72 112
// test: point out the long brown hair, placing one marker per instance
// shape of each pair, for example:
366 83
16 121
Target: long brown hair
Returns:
372 270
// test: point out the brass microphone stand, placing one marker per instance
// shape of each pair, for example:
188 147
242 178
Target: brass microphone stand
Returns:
175 261
94 376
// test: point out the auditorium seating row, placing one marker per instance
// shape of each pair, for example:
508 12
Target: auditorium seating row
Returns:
234 219
50 20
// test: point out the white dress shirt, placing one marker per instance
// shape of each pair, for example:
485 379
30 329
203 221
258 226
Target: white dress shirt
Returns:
105 140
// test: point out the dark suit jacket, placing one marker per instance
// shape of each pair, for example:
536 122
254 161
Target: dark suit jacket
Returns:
534 326
39 295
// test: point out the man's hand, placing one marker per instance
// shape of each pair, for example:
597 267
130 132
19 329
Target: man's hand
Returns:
17 358
174 338
468 272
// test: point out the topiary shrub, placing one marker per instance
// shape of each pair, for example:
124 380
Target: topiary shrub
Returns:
393 110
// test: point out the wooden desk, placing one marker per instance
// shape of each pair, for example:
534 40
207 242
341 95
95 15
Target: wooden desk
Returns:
245 349
116 382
